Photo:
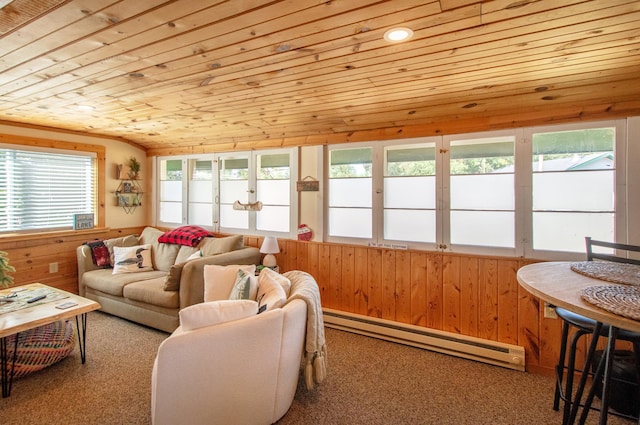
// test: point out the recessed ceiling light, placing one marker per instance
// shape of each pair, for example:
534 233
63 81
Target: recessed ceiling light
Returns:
395 35
85 108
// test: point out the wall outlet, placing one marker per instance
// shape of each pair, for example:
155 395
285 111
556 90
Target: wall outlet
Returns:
549 311
53 267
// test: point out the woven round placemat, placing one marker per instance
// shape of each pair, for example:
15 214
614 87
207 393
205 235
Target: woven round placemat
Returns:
627 274
621 300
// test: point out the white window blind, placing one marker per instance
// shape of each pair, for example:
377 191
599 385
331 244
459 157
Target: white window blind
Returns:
43 190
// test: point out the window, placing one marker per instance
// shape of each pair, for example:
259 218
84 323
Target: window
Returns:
170 208
482 192
43 189
573 187
350 193
532 192
186 191
256 191
410 193
223 192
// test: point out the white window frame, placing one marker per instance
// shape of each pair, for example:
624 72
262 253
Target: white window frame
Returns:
91 198
620 158
185 188
523 175
254 196
445 178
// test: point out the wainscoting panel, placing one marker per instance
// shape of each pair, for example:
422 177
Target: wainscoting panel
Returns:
472 295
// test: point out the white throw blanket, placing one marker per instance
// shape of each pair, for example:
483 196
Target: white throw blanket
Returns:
304 287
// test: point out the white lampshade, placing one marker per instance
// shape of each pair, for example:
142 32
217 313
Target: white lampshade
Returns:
269 247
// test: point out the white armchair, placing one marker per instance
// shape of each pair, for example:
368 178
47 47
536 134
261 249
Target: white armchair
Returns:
239 372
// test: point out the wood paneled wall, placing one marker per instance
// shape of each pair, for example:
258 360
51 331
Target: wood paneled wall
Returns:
32 255
467 294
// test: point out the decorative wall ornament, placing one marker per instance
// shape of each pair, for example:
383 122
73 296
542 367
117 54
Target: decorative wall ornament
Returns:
255 206
308 184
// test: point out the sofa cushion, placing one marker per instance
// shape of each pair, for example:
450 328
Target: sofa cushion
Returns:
104 281
132 259
186 252
152 291
267 273
212 313
270 293
164 255
172 280
213 246
184 235
245 286
219 280
130 240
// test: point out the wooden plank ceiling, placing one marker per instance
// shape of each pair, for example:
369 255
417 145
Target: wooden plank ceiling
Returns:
202 75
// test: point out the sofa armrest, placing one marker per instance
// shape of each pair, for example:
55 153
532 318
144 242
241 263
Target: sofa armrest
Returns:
85 264
192 277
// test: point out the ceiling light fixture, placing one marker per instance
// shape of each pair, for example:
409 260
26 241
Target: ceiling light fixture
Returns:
396 35
85 108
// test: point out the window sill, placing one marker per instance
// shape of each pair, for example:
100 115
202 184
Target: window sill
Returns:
26 236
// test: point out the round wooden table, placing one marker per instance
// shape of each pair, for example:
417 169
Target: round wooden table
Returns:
557 284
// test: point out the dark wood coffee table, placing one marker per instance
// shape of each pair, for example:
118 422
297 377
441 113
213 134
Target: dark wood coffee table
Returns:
39 313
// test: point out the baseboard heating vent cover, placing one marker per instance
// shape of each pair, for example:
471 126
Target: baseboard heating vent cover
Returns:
482 350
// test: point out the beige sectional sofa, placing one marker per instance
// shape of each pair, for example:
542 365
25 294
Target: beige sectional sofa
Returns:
154 296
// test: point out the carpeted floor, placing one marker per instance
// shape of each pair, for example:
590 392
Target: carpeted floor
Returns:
369 382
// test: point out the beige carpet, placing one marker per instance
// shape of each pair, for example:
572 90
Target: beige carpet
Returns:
370 382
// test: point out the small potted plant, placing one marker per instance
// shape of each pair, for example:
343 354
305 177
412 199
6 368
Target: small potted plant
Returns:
134 168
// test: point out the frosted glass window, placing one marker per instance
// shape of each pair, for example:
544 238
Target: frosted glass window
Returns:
573 188
557 231
274 192
351 192
574 191
232 218
350 222
171 191
170 212
483 228
200 214
234 190
273 219
410 192
201 191
410 225
482 192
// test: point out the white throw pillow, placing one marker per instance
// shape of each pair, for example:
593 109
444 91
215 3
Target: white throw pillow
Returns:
267 273
245 286
132 259
270 293
219 280
212 313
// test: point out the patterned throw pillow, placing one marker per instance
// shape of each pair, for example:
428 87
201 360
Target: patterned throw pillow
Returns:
100 254
185 235
132 259
245 287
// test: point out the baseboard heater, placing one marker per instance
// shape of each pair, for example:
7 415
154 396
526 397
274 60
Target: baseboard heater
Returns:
482 350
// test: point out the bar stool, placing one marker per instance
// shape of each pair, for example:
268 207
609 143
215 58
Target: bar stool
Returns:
585 326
